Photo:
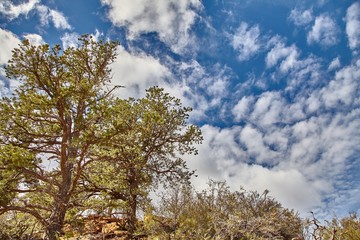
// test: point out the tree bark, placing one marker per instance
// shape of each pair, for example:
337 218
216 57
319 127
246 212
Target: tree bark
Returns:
132 202
131 214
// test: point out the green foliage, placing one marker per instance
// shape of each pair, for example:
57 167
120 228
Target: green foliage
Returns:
15 225
147 152
218 213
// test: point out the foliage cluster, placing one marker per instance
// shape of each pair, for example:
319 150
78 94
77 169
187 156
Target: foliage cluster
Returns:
219 213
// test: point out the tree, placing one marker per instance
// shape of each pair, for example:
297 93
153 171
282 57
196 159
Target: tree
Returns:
147 153
51 125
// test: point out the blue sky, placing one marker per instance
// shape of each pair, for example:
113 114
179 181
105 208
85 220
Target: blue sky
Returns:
274 85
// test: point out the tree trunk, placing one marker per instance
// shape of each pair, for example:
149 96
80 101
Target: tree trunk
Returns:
132 202
56 221
131 214
57 218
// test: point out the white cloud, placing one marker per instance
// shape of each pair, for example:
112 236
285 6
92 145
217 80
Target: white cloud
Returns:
353 25
8 41
290 186
137 72
268 109
70 40
246 41
202 88
324 31
300 164
225 153
34 39
58 18
171 19
98 35
256 147
10 10
301 18
288 55
335 63
242 108
343 88
299 150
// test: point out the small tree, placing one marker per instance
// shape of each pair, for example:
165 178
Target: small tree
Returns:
51 125
147 153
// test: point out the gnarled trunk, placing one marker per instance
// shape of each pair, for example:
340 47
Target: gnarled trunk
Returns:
56 221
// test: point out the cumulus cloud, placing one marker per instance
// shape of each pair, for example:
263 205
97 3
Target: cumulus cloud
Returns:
299 163
297 71
353 25
242 108
34 39
57 18
170 19
287 56
8 41
343 88
301 18
324 31
268 109
335 63
11 11
246 41
137 72
226 155
299 150
289 186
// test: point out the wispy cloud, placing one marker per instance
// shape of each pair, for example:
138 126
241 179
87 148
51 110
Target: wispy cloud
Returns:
353 25
170 19
10 10
246 41
324 31
57 18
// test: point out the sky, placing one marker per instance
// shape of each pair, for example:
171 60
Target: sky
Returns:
274 85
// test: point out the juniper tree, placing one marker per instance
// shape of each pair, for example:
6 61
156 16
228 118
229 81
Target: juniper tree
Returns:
50 126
